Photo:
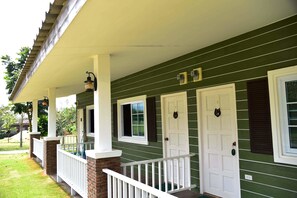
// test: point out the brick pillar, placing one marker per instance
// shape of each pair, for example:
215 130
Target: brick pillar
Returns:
33 135
97 180
50 155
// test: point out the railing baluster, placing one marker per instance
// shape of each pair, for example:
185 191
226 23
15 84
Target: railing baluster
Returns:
125 190
132 172
165 175
139 172
125 170
177 173
159 175
114 187
119 183
183 173
153 174
146 174
172 174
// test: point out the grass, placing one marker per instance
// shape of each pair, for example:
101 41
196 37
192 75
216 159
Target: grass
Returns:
22 177
13 145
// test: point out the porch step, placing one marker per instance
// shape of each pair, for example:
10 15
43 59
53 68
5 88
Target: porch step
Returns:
187 194
191 194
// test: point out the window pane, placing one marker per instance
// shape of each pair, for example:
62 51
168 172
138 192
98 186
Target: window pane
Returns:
141 130
135 130
291 90
293 137
134 108
140 107
292 114
135 119
140 119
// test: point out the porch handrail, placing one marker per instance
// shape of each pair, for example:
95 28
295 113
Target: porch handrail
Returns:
38 149
73 170
78 148
171 174
68 139
121 186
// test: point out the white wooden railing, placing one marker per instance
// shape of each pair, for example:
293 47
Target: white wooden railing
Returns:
73 170
167 174
120 186
38 149
78 148
68 139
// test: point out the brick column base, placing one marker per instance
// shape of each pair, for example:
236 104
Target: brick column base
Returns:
33 135
50 155
97 180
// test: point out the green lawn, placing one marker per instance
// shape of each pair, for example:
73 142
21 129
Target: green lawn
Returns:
13 145
21 177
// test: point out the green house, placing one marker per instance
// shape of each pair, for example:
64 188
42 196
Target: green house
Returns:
217 80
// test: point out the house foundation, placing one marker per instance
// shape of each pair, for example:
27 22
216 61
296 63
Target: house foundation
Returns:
33 135
97 179
50 155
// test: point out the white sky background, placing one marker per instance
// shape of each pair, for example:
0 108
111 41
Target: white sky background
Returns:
20 21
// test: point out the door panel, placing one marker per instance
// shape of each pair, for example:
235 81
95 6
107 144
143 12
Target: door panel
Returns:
218 131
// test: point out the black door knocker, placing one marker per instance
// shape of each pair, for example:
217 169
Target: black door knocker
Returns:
217 112
175 114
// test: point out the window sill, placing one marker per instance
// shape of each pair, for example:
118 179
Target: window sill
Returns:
90 134
142 141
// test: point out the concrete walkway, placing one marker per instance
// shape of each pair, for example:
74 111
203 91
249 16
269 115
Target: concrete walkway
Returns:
13 152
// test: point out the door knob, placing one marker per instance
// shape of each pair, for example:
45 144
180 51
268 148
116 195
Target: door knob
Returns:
166 139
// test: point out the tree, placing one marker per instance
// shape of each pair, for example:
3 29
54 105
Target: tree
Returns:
7 118
13 70
66 119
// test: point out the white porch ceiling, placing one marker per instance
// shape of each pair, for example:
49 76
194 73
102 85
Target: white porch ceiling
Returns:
140 34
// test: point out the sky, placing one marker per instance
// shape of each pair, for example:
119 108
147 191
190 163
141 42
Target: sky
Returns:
20 21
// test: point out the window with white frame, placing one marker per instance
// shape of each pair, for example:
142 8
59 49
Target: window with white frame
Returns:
90 120
132 120
283 105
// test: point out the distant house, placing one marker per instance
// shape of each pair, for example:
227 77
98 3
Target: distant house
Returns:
191 95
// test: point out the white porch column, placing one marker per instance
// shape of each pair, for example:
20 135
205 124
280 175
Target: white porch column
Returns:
35 116
52 112
102 104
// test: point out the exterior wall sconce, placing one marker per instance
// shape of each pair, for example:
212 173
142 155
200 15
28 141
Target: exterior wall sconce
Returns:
182 78
196 74
45 101
91 85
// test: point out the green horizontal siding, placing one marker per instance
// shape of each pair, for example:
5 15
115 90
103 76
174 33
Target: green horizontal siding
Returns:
237 60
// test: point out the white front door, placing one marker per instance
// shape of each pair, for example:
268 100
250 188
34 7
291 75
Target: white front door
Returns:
175 129
218 141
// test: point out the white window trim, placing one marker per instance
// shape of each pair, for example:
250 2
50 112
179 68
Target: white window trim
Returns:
279 121
88 108
132 139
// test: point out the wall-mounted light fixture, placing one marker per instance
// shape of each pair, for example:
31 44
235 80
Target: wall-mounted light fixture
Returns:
90 85
182 78
196 74
45 101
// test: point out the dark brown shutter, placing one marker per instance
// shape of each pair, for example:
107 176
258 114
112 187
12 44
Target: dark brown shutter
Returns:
127 120
85 120
259 116
115 120
151 119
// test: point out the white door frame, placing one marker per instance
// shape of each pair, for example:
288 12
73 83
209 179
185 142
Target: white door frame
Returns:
184 93
199 121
